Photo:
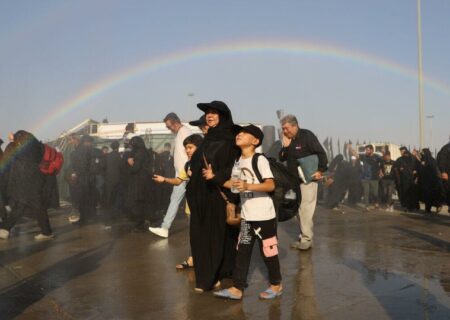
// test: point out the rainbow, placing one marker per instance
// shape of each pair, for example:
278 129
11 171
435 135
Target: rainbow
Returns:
242 47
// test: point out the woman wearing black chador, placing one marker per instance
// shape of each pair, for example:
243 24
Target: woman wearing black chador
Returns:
213 242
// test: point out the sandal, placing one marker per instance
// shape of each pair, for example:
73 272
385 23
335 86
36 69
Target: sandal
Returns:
183 265
270 294
226 294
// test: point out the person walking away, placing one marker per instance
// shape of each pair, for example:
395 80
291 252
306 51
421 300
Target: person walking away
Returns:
387 181
371 169
258 215
297 144
191 144
25 185
173 123
443 161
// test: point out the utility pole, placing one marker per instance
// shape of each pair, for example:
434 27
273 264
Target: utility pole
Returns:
419 48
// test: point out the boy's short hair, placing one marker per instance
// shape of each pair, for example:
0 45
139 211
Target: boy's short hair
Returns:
369 146
387 153
194 139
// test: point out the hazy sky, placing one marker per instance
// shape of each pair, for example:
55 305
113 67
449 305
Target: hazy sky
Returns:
52 51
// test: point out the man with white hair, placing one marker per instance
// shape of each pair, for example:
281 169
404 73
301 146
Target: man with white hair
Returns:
173 123
300 144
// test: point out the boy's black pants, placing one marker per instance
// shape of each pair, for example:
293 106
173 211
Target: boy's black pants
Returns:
265 232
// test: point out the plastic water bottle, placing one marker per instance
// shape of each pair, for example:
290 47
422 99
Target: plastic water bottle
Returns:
235 176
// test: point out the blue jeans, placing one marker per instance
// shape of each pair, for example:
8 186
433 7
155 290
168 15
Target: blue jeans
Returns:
175 200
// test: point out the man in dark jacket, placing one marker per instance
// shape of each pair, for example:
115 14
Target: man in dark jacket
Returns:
297 144
371 171
443 161
25 185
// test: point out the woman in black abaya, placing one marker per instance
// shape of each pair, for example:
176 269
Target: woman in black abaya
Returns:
213 242
25 184
429 182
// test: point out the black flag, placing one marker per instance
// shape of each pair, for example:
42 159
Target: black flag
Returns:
331 148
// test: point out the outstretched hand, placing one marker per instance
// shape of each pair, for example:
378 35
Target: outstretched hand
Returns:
159 179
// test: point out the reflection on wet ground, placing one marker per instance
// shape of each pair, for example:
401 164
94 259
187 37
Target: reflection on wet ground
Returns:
362 266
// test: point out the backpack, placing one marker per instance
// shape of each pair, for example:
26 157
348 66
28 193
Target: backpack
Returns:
52 161
286 196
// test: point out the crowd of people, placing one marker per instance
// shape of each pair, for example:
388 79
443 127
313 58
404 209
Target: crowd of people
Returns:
221 176
415 177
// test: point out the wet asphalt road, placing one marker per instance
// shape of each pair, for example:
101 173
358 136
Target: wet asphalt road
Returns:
374 265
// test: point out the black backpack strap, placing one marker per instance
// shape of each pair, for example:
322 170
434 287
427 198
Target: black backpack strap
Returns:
255 166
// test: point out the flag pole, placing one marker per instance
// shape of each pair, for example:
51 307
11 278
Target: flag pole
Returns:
419 49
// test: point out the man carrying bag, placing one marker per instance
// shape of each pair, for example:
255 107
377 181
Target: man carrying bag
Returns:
302 150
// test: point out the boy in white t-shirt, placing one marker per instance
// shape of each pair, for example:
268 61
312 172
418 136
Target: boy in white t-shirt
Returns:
258 218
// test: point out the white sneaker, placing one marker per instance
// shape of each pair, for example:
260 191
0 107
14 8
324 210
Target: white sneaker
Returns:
4 234
43 237
161 232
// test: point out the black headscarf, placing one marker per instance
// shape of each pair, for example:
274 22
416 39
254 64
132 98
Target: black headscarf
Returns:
224 130
137 144
28 147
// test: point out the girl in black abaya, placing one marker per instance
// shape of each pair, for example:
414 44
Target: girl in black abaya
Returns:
213 242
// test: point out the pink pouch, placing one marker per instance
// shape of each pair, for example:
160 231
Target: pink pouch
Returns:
270 247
